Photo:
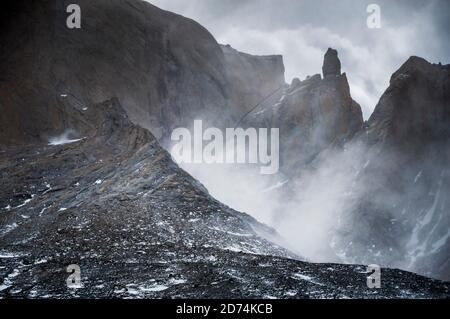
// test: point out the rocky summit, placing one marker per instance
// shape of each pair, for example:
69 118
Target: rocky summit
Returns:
311 114
332 64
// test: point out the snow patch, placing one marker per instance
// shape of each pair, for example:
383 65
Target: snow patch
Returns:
40 261
63 139
25 202
8 228
8 281
418 177
155 288
178 281
305 278
9 255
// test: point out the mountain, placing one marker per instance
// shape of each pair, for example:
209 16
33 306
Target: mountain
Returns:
252 78
165 69
311 114
87 183
384 180
415 109
408 138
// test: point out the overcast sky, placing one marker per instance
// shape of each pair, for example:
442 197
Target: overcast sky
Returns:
302 30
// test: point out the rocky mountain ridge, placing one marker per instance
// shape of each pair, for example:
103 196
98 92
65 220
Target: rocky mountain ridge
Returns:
89 184
165 69
311 114
395 165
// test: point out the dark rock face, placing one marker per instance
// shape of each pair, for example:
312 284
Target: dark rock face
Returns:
252 78
164 68
331 64
415 109
117 206
397 164
107 197
408 155
312 115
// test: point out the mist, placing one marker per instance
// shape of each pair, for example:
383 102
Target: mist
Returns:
302 30
343 207
305 210
319 212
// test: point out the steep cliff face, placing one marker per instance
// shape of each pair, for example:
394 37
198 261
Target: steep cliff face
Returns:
403 208
128 49
311 114
165 69
252 78
415 109
384 180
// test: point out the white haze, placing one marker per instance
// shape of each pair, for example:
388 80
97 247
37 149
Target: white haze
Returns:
309 211
308 216
314 212
303 30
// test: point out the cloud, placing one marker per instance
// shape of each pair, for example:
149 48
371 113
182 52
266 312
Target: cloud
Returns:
302 31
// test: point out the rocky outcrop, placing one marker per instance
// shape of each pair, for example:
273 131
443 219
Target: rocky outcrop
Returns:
311 114
331 64
415 109
165 69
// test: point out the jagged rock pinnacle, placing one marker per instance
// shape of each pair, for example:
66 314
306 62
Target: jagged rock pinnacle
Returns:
331 64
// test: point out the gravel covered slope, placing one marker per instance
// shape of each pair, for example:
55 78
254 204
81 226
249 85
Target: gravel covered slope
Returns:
115 204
